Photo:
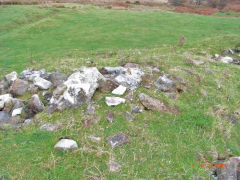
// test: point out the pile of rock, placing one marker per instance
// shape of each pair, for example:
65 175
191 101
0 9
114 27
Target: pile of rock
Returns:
60 91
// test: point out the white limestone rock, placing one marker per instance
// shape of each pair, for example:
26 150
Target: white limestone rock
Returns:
17 111
66 144
11 77
42 83
78 89
114 101
120 90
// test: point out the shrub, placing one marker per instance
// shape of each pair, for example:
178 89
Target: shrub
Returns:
177 2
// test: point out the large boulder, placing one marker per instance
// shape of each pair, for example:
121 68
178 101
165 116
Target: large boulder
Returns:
9 78
156 104
42 83
78 89
18 87
36 104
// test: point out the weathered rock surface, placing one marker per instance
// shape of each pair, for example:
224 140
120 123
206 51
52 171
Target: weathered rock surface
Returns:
78 89
114 167
18 87
3 86
66 144
129 116
156 104
42 83
114 101
30 74
11 77
117 140
108 86
120 90
197 62
110 116
17 111
129 96
131 65
57 78
4 117
170 83
128 77
91 109
36 104
5 98
226 59
135 109
50 127
232 172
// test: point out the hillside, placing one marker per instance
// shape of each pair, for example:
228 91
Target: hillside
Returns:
199 125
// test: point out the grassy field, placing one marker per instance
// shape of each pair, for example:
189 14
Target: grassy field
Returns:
161 146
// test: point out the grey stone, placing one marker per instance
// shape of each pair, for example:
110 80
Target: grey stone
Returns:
79 88
50 127
112 71
36 104
4 117
114 101
135 109
231 172
156 104
18 87
32 88
90 109
130 79
110 116
57 78
30 74
42 83
117 140
4 99
17 111
129 116
11 77
165 84
131 65
66 144
129 96
3 86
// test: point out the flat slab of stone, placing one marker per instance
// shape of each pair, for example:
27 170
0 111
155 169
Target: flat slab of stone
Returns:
66 144
114 101
50 127
42 83
120 90
156 104
117 140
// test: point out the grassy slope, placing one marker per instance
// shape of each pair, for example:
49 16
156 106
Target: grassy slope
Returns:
68 39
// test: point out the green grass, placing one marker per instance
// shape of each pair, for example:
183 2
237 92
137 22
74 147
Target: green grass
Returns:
161 146
31 33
